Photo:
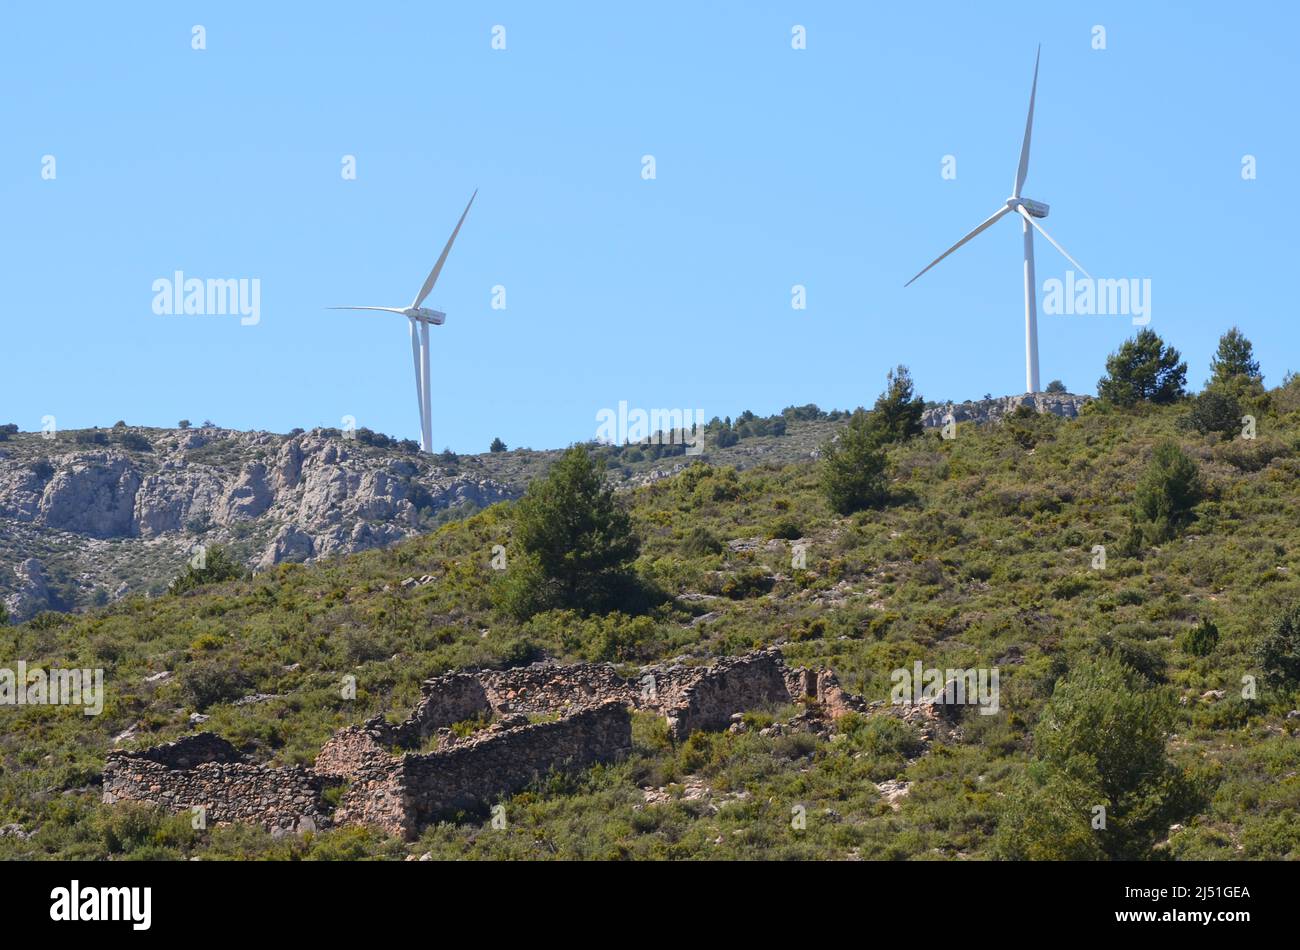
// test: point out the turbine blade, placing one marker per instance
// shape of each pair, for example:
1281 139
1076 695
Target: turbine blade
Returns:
987 222
1023 170
384 309
1043 231
442 258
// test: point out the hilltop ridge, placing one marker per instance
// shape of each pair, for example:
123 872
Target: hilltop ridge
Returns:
89 516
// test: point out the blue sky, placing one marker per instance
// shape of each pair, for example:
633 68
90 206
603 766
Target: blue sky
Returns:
774 167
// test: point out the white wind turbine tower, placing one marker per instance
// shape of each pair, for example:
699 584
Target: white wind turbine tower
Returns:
1028 209
420 318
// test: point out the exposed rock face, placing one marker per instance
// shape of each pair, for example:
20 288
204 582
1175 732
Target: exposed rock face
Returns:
992 410
175 497
250 496
33 593
92 494
291 544
293 498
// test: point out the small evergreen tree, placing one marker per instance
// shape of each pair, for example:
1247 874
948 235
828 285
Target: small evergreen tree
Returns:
896 416
1166 493
497 445
1279 652
1143 369
1201 639
1056 386
577 543
853 467
1100 742
217 566
1234 359
1215 410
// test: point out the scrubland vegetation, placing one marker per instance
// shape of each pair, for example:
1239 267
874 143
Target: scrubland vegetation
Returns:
1133 574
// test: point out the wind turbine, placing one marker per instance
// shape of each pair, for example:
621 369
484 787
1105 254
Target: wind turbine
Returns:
1029 210
420 318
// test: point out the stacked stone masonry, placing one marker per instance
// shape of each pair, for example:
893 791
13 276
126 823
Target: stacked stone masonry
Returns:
401 777
207 773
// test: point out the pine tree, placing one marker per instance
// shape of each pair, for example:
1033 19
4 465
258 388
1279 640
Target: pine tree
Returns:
1235 358
1143 369
577 543
896 415
853 467
1166 493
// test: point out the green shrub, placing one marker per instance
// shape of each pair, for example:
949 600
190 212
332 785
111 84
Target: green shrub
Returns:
896 416
1047 816
1103 733
1166 493
208 682
1235 359
701 542
1278 654
134 442
750 582
853 468
1215 410
1201 639
216 567
786 529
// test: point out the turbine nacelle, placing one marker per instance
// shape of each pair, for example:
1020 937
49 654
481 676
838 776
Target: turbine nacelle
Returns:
425 315
1036 209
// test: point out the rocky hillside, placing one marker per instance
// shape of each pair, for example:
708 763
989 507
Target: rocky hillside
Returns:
985 556
89 516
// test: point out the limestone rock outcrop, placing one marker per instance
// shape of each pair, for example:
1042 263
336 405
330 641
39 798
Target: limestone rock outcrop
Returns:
1065 405
281 498
32 594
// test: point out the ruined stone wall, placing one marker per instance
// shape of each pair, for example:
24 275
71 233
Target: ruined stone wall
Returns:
551 688
286 799
416 789
479 769
447 699
402 793
834 699
187 751
731 686
377 795
350 750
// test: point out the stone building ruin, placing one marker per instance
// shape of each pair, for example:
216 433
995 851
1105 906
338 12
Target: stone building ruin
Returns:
401 777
